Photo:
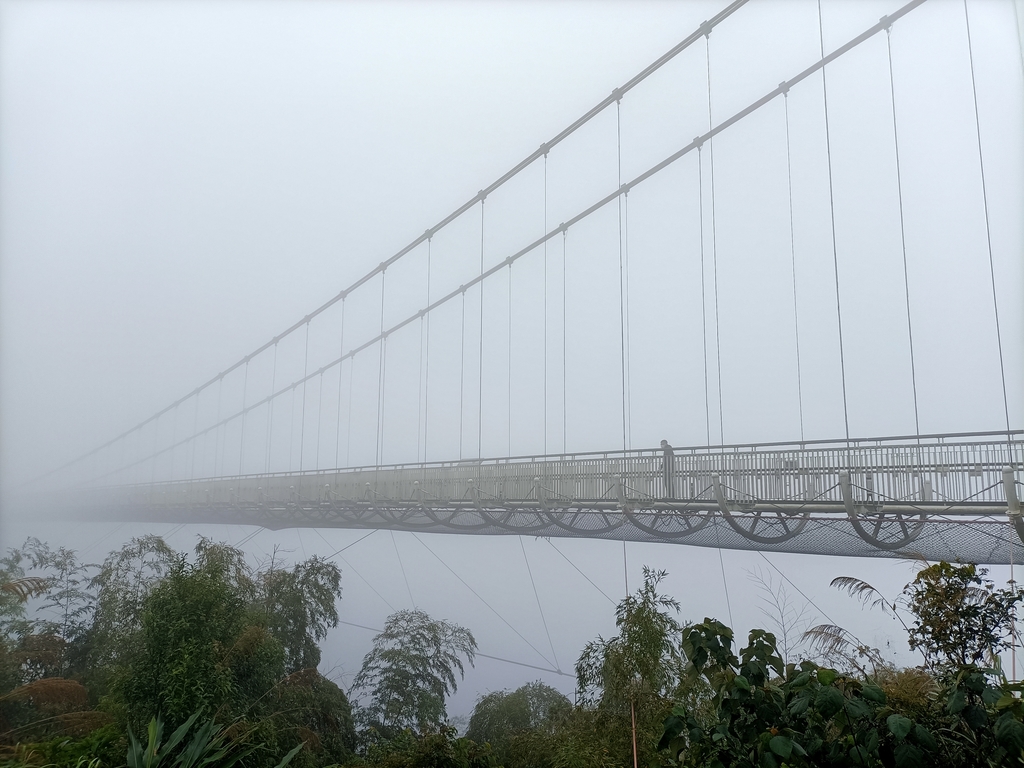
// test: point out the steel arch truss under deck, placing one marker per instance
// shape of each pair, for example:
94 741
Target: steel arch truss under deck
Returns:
951 497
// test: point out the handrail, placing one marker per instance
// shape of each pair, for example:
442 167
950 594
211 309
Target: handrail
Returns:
840 444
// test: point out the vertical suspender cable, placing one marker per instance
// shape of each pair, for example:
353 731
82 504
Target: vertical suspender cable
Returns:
703 293
195 438
348 416
622 308
341 366
241 432
545 306
462 375
319 415
564 416
510 359
480 356
419 376
792 256
291 431
174 440
270 409
903 231
625 302
381 363
216 441
714 242
988 228
832 219
419 396
426 355
302 420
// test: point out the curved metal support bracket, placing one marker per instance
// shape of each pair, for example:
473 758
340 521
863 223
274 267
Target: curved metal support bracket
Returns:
885 530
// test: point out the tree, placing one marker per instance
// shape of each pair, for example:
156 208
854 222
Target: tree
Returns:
124 582
300 606
960 618
410 670
957 618
201 650
631 679
500 716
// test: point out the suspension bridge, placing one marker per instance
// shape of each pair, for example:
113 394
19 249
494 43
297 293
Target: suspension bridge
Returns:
509 371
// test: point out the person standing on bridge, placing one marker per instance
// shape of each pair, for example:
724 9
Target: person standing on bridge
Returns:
668 468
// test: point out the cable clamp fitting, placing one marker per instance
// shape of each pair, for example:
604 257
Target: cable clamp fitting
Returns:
784 88
544 149
705 29
884 21
617 94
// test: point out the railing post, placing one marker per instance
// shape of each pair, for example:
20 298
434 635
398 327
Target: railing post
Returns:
1010 487
847 491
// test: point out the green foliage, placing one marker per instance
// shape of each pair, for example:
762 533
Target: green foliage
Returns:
643 659
441 749
196 636
300 606
102 746
770 714
960 618
307 707
511 721
207 745
410 670
632 679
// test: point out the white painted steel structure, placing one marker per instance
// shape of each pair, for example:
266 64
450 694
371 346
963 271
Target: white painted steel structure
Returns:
941 497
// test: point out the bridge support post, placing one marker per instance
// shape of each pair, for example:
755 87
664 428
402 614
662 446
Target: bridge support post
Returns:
847 491
1013 501
723 505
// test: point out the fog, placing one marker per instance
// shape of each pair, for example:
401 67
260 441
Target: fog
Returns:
180 183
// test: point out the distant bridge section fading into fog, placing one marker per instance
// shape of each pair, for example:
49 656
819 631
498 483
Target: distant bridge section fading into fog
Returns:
934 496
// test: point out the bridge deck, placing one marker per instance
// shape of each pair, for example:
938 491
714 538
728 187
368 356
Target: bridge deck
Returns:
940 497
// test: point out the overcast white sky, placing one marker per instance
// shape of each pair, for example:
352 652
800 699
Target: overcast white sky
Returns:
181 181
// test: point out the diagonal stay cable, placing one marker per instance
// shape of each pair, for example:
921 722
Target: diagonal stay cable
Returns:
542 151
477 653
357 573
349 546
610 198
467 586
581 573
805 597
540 608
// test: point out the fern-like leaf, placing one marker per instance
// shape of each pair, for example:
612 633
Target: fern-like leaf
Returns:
862 591
28 587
